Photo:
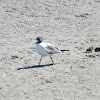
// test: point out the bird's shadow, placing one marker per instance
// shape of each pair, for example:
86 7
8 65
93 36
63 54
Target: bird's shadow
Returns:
36 66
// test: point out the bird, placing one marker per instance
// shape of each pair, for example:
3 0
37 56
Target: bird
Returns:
46 49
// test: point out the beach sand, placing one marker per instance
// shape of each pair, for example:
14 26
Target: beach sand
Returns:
68 24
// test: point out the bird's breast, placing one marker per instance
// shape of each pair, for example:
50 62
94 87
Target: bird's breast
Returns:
41 50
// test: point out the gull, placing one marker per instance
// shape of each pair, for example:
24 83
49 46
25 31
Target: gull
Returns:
46 49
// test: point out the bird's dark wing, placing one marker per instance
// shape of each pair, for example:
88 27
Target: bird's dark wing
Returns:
52 49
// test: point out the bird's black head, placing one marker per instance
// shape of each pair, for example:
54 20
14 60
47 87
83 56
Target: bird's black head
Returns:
39 39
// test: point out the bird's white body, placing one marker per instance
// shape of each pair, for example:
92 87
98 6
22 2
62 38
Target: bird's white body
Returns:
46 49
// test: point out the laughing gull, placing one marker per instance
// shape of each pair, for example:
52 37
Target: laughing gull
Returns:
46 49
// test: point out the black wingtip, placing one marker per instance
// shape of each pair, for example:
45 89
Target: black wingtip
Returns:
64 50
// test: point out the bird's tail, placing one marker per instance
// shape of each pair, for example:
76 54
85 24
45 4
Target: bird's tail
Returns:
64 50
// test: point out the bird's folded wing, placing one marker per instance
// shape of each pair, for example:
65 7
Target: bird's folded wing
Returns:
52 49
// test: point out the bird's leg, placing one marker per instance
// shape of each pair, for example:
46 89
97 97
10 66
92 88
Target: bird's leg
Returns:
40 60
52 60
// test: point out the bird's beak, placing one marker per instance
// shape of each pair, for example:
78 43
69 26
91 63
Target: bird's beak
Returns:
35 41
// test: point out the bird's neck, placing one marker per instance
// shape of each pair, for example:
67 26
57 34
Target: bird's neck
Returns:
38 42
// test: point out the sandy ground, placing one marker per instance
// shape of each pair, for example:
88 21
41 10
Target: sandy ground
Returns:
68 24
